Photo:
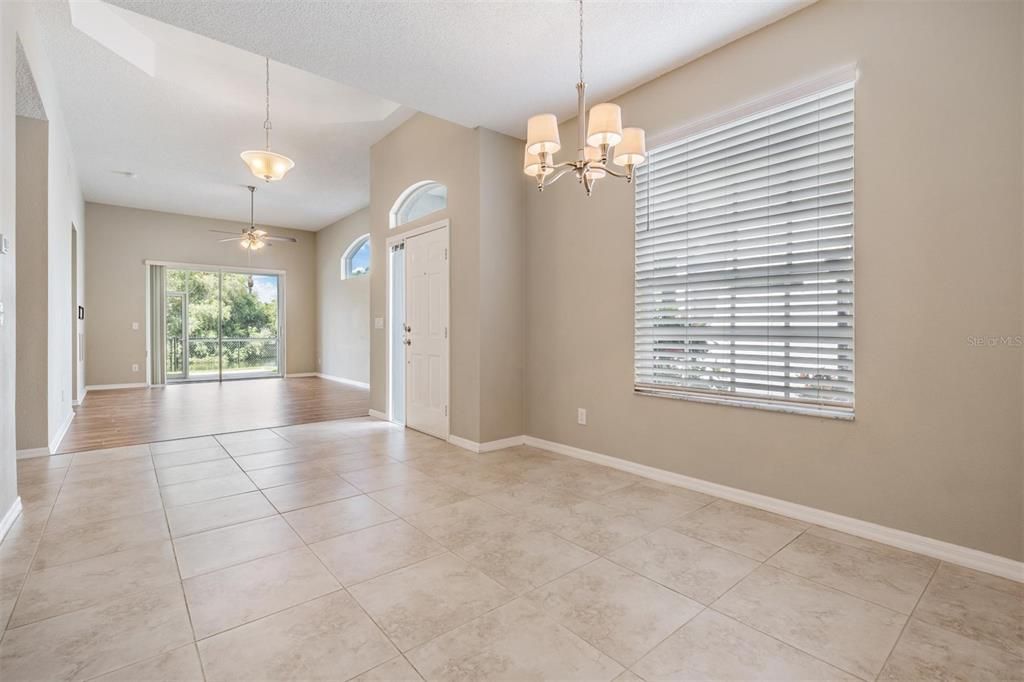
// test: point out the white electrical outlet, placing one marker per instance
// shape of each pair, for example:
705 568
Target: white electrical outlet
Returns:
135 367
135 326
581 416
378 323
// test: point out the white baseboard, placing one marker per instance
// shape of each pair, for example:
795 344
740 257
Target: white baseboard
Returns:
300 375
63 429
938 549
489 446
377 414
343 380
10 516
29 453
111 387
77 402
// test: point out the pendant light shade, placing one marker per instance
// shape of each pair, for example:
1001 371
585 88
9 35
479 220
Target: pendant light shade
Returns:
542 134
605 125
632 150
532 165
264 163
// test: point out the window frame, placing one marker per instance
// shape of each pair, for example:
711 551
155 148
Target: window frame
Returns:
350 252
409 194
836 78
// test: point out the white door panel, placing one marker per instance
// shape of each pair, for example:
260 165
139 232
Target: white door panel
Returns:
426 263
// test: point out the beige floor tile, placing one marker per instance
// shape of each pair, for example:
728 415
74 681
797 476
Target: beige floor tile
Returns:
327 520
103 508
45 462
514 642
976 605
531 497
96 640
368 553
197 472
289 473
621 613
876 549
83 491
344 463
239 594
592 526
928 652
745 530
107 455
308 493
480 480
396 670
657 505
69 587
215 549
180 665
275 458
385 476
628 676
329 638
438 463
109 470
39 475
206 489
716 647
183 457
236 437
63 544
256 445
183 444
520 556
419 602
41 496
218 513
421 496
847 632
889 582
687 565
456 525
582 478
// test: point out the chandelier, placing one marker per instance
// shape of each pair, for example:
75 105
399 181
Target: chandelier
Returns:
595 139
264 163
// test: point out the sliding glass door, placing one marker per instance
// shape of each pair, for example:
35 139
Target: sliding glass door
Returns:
222 325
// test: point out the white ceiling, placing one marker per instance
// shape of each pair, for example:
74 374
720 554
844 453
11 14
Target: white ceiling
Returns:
489 64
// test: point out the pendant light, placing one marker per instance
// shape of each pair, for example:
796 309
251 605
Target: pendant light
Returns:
264 163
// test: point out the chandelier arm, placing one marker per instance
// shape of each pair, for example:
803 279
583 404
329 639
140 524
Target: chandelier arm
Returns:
554 177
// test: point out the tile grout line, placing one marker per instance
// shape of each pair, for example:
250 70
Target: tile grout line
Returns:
906 623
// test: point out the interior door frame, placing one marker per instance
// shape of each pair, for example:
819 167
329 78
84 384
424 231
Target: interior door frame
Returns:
282 321
389 317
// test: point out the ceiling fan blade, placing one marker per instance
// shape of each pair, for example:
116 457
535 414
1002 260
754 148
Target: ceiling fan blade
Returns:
226 232
271 237
229 239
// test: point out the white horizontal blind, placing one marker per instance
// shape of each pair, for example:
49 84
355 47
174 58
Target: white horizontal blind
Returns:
744 260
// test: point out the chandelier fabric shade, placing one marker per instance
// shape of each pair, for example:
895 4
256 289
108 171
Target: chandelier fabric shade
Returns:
598 136
263 163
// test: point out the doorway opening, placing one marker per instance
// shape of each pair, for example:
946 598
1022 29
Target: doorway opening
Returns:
418 321
218 324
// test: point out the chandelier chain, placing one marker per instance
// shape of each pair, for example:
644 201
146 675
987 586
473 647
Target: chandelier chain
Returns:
266 123
581 40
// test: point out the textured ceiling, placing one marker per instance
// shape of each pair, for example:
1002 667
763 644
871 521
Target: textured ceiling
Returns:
157 116
477 63
27 101
172 91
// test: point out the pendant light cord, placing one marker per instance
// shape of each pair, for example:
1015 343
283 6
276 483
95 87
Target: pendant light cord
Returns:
581 40
266 123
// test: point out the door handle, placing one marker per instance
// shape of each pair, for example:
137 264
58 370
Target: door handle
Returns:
407 342
407 328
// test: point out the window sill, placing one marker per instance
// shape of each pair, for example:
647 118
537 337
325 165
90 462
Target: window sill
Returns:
826 412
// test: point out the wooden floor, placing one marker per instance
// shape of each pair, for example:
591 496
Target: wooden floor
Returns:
143 415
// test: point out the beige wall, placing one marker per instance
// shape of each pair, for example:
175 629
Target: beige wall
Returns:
31 235
118 243
481 169
936 447
343 306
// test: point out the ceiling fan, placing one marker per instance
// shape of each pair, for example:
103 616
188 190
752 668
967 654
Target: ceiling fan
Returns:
252 238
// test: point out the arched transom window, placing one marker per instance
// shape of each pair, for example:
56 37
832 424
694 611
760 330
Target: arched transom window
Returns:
356 260
417 201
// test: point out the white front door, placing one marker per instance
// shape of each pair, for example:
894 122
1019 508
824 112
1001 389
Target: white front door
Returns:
426 328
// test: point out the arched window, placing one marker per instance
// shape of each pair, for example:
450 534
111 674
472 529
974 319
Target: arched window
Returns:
356 260
419 200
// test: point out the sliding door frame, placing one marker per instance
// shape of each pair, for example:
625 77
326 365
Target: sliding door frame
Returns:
282 320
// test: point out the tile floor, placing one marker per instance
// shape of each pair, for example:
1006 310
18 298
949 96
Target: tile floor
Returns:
358 550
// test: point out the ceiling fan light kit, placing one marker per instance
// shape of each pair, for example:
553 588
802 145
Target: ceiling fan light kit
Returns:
253 238
263 163
596 137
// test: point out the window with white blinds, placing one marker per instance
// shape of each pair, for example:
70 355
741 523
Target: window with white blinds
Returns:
744 260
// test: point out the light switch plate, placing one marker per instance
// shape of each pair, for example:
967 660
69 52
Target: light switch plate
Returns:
378 323
135 326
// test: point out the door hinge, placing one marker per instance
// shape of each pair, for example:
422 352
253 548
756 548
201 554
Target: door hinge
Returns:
446 410
446 253
446 332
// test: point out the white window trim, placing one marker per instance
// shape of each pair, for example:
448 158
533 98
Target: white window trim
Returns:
839 76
